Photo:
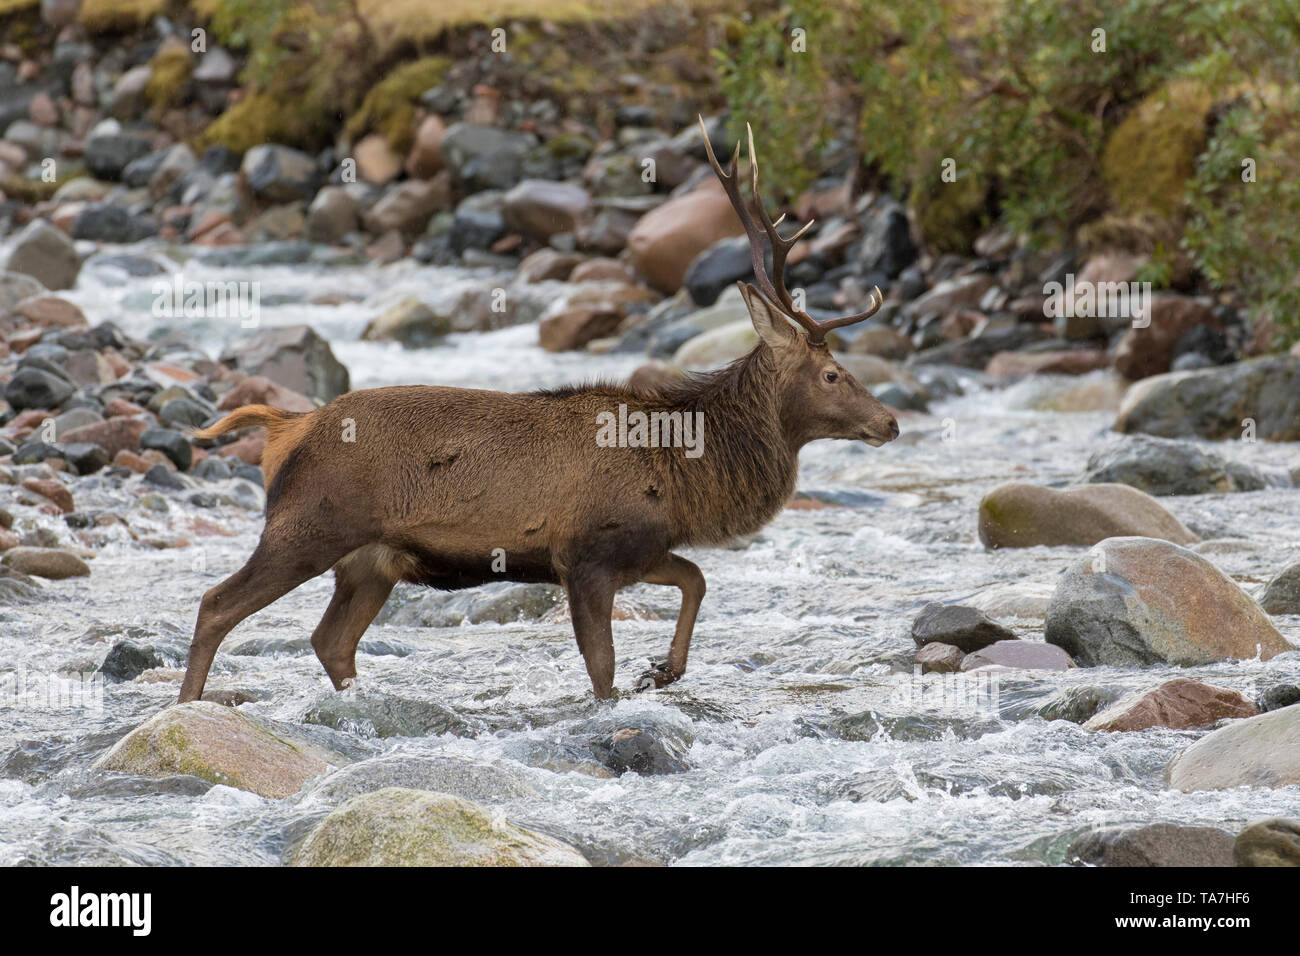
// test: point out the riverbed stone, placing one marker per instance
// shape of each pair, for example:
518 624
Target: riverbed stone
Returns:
55 564
220 745
667 239
1163 466
1179 704
45 253
1272 842
1261 751
380 714
967 628
1218 403
1132 601
1019 655
294 356
469 778
1282 593
1157 844
279 174
409 322
539 208
1021 515
401 827
936 658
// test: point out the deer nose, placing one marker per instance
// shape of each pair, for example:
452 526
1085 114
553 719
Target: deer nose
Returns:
893 428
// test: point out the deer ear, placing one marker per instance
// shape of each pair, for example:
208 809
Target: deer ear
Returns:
770 324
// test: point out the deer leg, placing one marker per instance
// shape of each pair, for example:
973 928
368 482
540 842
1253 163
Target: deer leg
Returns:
591 604
276 567
676 571
361 587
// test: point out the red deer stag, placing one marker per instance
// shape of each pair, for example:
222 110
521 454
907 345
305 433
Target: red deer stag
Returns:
439 486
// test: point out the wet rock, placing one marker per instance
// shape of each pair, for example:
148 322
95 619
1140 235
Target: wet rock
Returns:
719 266
171 443
1076 704
107 155
408 207
53 490
106 222
35 452
400 827
1261 751
279 174
128 659
498 603
886 247
1148 349
484 157
372 714
1279 696
1020 655
17 286
936 658
667 239
410 322
36 388
1218 403
1021 515
1159 844
45 253
220 745
85 458
115 435
1282 594
1178 704
465 777
1133 601
1273 842
1017 599
1162 466
332 215
644 748
162 476
964 627
52 563
539 209
294 356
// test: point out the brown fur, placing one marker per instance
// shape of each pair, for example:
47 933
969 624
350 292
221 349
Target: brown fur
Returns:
440 482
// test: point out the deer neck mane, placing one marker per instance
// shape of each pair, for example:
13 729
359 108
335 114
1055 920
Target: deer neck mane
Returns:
748 464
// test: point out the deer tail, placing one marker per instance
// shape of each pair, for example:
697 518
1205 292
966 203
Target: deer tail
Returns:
265 415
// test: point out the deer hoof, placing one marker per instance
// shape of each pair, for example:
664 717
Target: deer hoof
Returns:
659 675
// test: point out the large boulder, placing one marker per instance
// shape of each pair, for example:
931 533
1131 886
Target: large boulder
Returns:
1282 594
45 253
1147 349
1218 403
1164 466
1133 601
293 356
1261 751
718 267
54 564
400 827
1178 704
1021 515
1018 655
220 745
1158 844
409 206
539 209
484 157
1274 842
667 239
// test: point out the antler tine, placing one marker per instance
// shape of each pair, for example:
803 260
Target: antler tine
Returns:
780 247
877 300
731 185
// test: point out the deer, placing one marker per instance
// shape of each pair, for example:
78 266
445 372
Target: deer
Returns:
455 487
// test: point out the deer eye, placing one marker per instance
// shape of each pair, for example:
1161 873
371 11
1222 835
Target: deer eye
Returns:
832 376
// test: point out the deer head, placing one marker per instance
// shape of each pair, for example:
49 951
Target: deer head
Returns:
820 398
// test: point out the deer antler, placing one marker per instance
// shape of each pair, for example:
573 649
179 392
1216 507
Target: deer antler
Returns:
773 285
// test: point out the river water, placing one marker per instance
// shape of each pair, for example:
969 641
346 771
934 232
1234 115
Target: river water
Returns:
802 734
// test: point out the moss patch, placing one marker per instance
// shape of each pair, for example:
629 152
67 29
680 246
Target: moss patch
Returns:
949 215
389 107
118 16
170 79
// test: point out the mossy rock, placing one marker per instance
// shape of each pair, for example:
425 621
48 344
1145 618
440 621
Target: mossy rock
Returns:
220 745
1152 153
267 118
389 107
118 16
949 215
400 827
28 191
168 84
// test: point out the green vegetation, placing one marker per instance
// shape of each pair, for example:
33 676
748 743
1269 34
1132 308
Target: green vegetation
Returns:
1130 138
389 107
118 16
